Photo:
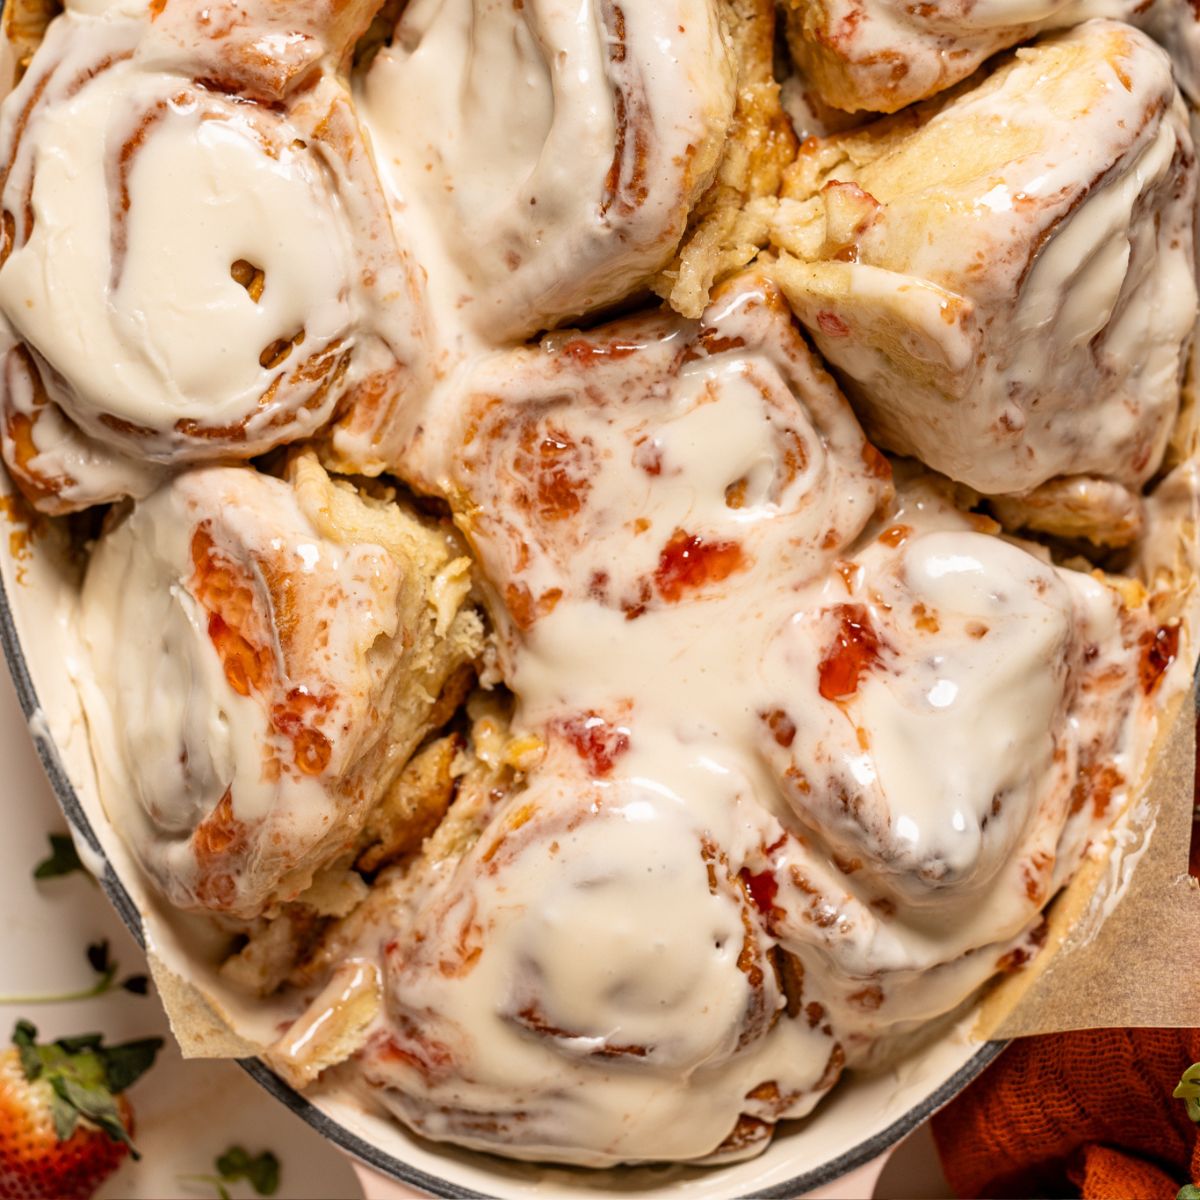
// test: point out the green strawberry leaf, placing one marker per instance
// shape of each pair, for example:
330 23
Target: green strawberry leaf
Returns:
85 1076
65 1114
63 859
79 1043
25 1038
96 1103
125 1064
261 1171
1188 1090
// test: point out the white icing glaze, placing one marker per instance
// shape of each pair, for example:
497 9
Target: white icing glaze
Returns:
241 658
556 146
1063 352
155 308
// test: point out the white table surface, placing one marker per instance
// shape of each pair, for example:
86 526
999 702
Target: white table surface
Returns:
187 1113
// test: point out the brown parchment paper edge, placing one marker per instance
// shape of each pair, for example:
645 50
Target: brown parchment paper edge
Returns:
1123 938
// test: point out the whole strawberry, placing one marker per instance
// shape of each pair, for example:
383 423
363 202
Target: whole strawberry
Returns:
64 1126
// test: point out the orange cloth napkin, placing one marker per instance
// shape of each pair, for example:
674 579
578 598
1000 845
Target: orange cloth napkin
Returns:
1079 1114
1076 1114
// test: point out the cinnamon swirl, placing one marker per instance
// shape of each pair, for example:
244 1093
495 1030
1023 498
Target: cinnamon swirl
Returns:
155 310
265 657
1005 280
557 150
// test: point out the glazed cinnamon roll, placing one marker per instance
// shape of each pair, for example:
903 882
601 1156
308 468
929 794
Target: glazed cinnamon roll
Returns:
554 151
1006 283
880 55
655 461
951 729
184 274
594 955
266 655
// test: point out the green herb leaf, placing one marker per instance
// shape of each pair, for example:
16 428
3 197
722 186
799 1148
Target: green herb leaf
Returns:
63 859
1188 1090
99 957
261 1171
1189 1191
139 985
101 961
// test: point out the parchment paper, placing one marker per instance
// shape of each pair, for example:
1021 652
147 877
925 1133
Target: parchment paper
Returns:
1124 938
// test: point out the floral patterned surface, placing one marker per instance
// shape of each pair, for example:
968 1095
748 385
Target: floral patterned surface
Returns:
187 1114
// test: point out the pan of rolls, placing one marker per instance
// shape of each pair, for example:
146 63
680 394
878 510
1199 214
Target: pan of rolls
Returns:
585 572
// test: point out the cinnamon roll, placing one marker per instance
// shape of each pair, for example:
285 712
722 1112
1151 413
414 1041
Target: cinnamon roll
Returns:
595 955
1006 281
184 274
951 718
880 55
266 655
555 151
656 461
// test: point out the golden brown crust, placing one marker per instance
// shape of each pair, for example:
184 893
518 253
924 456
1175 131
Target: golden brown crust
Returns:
24 25
413 806
725 231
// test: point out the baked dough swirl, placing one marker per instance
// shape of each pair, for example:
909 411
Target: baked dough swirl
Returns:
1005 280
266 655
559 147
156 308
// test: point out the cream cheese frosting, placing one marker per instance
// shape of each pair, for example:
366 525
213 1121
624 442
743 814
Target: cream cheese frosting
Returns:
265 655
150 286
558 145
841 731
1009 304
